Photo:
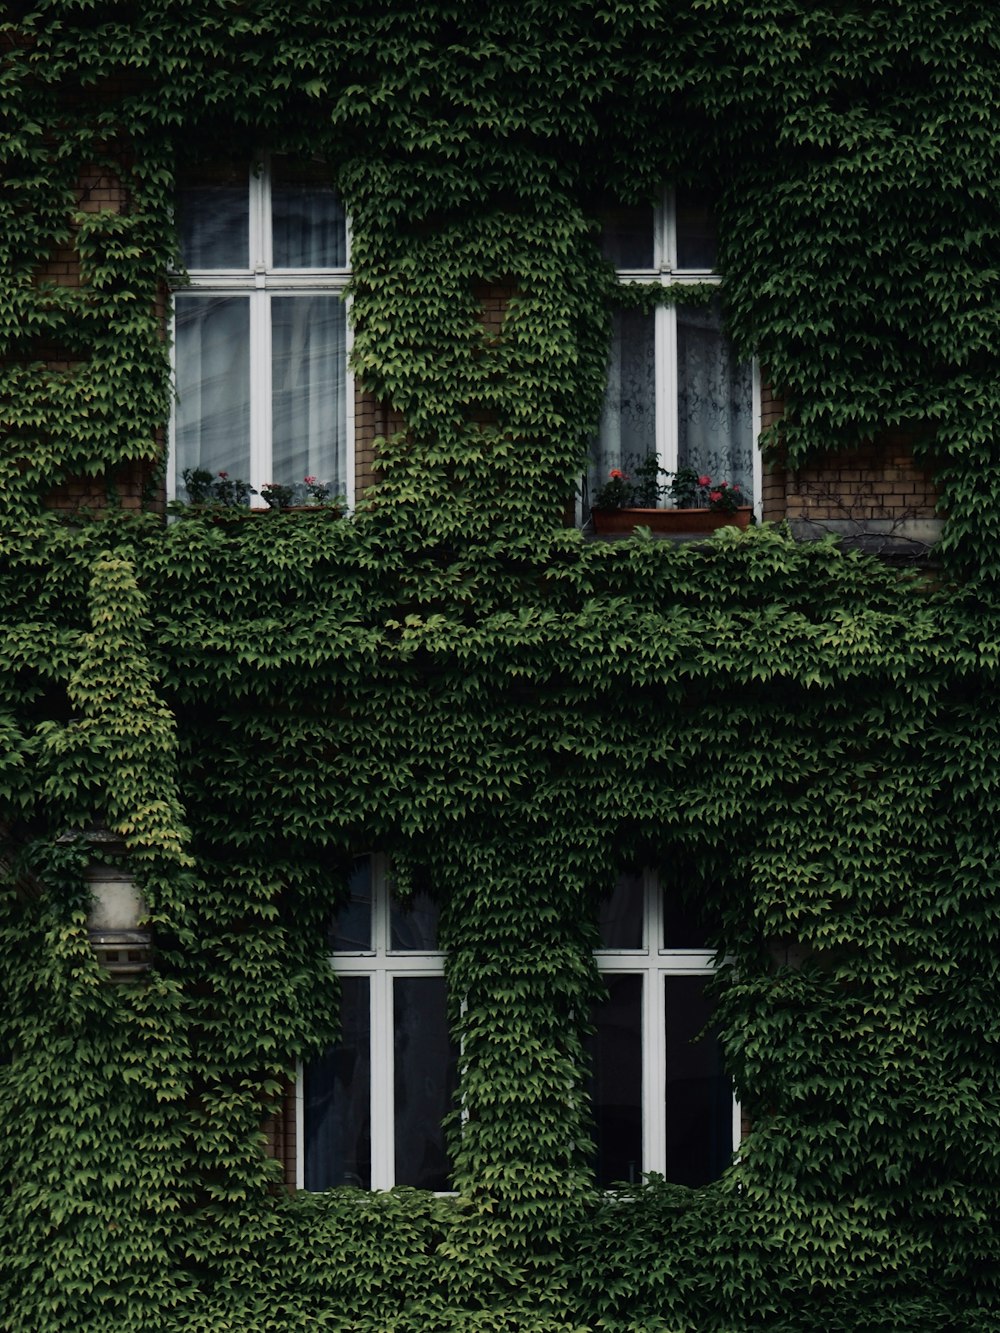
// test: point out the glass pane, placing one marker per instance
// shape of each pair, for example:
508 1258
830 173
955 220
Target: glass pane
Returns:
627 433
338 1129
616 1083
212 356
351 929
620 919
714 400
308 228
309 372
413 926
215 224
682 925
627 237
699 1096
697 236
425 1075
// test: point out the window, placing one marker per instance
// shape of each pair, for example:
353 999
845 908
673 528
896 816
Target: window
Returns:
662 1101
260 334
675 388
373 1105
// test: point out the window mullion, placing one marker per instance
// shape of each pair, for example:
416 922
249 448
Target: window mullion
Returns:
654 1070
383 1135
260 388
666 386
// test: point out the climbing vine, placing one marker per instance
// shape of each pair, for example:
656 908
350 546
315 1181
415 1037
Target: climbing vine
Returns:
796 737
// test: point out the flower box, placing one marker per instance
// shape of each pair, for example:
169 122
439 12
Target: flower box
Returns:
615 522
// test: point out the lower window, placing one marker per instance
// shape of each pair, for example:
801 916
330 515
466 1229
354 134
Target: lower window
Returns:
373 1104
375 1101
662 1100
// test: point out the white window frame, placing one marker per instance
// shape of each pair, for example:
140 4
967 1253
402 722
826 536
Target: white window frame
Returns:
381 965
654 961
666 273
259 282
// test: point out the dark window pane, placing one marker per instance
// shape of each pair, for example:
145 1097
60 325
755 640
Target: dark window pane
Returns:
413 925
627 237
616 1082
425 1073
338 1099
351 929
620 919
215 225
682 926
699 1095
307 217
697 238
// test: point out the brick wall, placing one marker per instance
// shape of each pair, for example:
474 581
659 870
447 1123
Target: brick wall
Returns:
877 483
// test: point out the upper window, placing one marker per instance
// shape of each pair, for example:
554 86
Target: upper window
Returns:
662 1100
260 333
374 1103
675 388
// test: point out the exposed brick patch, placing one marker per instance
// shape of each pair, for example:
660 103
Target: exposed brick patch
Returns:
136 484
280 1133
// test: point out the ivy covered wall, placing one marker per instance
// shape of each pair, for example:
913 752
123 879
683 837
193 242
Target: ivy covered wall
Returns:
799 737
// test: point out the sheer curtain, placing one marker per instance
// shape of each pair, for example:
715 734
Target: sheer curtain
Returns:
627 432
212 360
308 399
307 220
714 400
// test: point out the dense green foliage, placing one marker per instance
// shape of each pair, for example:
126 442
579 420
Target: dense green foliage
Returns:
799 737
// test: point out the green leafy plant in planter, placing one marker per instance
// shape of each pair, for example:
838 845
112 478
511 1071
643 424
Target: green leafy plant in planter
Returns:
278 495
215 488
310 493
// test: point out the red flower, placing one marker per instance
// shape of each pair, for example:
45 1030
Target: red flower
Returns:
715 496
616 474
704 481
223 475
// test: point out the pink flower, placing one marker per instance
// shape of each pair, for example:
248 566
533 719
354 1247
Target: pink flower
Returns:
723 485
715 496
309 481
704 481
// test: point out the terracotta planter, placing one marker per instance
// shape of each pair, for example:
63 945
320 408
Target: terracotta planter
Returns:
610 522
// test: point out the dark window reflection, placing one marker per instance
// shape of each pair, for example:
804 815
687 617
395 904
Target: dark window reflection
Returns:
616 1082
350 930
699 1096
627 237
682 924
620 918
214 225
697 233
425 1075
413 925
338 1099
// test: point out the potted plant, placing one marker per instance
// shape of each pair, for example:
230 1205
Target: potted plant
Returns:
695 503
214 490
